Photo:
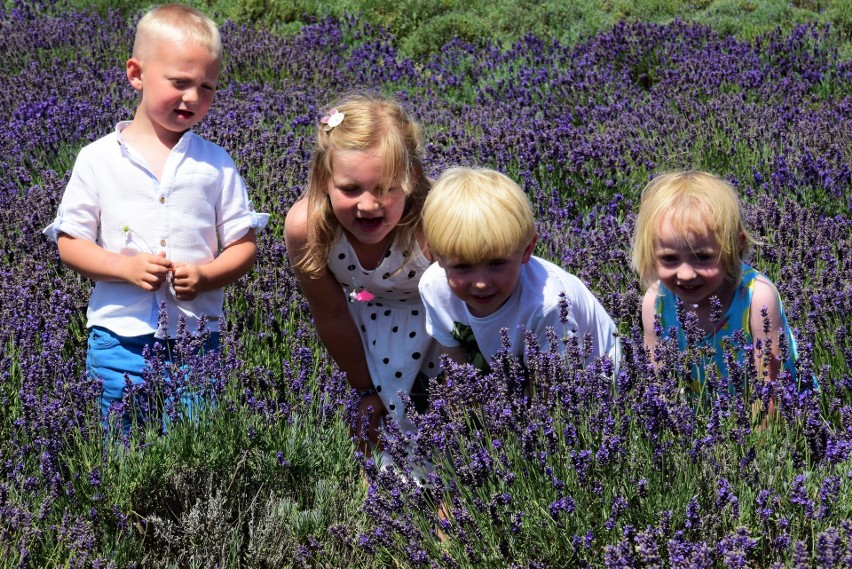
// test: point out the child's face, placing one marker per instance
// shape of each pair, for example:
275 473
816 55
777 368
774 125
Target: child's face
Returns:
485 286
689 265
364 207
177 81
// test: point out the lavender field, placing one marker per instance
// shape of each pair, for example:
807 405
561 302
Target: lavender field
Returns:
594 472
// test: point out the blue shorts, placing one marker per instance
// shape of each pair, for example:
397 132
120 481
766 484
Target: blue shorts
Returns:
116 359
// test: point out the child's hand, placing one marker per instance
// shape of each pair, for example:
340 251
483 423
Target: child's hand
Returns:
148 272
370 417
187 280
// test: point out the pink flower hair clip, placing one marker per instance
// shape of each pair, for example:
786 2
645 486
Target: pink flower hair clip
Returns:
332 119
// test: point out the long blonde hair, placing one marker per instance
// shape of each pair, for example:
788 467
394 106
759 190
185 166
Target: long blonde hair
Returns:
693 202
378 124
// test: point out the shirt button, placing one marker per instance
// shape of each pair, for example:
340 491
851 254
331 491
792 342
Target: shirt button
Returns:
162 199
162 242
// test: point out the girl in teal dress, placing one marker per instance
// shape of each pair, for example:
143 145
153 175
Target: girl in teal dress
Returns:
688 248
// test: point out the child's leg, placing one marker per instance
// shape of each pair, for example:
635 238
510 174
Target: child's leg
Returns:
114 359
190 396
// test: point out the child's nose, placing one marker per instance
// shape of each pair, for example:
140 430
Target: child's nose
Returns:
685 272
369 203
190 95
479 281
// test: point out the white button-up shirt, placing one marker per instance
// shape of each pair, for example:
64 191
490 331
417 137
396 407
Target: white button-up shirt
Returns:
199 205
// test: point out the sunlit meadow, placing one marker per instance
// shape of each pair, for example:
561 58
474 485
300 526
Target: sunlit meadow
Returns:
597 470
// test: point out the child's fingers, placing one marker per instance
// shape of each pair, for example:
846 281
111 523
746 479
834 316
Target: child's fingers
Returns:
160 261
181 270
371 409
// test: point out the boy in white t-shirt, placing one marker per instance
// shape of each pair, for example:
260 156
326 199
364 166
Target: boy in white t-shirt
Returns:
480 228
153 213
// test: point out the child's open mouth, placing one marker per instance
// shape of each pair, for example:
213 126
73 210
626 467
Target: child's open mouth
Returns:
184 114
369 223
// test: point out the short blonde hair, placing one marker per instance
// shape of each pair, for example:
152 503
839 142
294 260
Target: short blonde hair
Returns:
179 23
693 202
372 123
476 214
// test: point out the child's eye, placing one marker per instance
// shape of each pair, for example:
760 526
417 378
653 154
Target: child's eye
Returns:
496 263
179 83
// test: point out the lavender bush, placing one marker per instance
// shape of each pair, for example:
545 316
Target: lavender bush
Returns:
591 471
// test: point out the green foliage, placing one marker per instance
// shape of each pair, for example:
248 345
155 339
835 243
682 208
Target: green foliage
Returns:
749 18
423 26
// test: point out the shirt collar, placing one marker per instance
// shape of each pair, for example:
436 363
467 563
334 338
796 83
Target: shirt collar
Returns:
181 144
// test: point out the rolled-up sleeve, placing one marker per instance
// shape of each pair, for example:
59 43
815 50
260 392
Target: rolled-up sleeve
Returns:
237 214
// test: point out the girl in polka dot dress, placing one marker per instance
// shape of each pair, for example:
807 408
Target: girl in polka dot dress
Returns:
356 245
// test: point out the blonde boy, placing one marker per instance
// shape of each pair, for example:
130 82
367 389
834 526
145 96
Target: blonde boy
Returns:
153 213
480 228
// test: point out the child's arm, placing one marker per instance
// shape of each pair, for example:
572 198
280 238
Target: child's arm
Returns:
331 315
649 314
235 260
144 270
456 354
765 296
328 304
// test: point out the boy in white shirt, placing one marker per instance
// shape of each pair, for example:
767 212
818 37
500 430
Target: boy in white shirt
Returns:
154 213
480 228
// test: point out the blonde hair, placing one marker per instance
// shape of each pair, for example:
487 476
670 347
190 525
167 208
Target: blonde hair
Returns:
693 202
178 23
476 214
379 125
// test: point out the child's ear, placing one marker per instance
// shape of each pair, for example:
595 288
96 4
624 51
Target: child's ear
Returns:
742 242
133 69
529 250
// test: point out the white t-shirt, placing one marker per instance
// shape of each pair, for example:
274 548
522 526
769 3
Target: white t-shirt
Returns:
199 205
533 307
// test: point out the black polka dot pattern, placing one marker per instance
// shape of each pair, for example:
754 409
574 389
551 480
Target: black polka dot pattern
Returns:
392 324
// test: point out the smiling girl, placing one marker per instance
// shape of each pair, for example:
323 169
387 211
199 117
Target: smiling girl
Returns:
688 248
355 242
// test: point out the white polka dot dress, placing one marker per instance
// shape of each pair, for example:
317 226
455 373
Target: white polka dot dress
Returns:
393 323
